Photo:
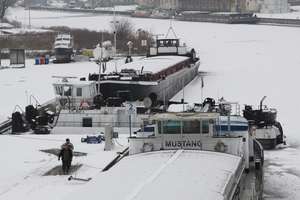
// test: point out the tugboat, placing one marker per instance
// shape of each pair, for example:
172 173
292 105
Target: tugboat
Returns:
155 79
63 48
186 156
80 108
269 131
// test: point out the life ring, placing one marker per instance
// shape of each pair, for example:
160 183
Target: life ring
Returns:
220 147
84 104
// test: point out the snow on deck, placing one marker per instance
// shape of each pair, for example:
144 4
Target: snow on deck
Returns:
178 174
153 64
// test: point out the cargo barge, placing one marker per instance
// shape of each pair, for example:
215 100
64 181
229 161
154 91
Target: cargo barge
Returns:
156 78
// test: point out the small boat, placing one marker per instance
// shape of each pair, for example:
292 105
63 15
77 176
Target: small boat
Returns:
63 48
269 131
79 108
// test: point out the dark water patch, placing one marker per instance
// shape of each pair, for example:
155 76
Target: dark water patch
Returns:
57 170
293 171
56 151
294 144
274 194
268 163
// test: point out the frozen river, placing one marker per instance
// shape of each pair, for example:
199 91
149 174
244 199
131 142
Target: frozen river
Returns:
245 63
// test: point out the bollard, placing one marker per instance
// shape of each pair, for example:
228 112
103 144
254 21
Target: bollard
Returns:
108 134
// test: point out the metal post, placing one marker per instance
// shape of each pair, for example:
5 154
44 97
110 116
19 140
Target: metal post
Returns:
99 77
115 32
181 131
29 17
130 125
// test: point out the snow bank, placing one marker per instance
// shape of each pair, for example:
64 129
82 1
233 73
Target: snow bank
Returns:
23 166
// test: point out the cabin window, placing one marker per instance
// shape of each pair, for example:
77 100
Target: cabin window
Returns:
87 122
204 126
59 90
67 90
191 127
186 127
169 127
79 92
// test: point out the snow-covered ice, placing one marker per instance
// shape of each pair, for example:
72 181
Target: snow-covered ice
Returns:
23 165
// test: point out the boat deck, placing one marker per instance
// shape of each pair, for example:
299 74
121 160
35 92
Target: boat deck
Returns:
153 64
181 174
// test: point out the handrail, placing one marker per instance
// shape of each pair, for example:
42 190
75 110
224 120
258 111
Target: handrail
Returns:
19 107
36 101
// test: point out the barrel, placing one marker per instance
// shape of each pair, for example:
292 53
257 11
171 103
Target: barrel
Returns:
42 60
37 60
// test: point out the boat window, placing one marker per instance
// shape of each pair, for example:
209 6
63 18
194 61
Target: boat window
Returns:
67 90
170 127
87 122
58 90
191 127
204 126
79 92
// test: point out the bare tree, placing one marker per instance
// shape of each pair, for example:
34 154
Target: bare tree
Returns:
4 4
125 31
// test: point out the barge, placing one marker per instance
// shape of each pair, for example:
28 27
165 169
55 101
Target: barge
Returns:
156 78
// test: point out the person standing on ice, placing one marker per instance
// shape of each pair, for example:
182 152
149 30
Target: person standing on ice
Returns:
66 153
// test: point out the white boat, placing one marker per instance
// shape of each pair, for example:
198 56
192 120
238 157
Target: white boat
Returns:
186 157
63 48
78 112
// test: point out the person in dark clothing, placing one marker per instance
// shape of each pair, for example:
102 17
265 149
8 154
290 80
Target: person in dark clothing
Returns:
66 153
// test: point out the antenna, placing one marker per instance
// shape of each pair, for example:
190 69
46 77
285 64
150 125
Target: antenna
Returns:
202 86
171 29
182 100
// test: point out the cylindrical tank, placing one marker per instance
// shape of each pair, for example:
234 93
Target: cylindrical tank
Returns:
42 60
37 60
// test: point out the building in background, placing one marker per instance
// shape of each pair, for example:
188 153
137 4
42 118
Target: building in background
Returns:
275 6
269 6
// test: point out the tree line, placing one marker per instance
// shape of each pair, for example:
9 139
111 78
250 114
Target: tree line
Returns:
83 38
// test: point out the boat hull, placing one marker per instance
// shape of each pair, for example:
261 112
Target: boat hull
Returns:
268 143
63 55
161 90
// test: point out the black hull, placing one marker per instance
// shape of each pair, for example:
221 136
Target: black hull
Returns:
268 144
162 90
63 55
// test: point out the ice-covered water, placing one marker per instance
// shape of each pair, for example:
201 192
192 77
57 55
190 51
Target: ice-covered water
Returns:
245 63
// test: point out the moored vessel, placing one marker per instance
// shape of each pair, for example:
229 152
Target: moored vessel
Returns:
63 48
269 131
156 78
186 152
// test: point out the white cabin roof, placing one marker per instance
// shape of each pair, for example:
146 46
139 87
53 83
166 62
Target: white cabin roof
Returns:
65 36
154 64
184 116
76 83
181 174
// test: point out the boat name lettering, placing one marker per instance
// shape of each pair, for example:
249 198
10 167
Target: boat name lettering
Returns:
183 143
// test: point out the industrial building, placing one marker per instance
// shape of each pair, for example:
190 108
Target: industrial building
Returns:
266 6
